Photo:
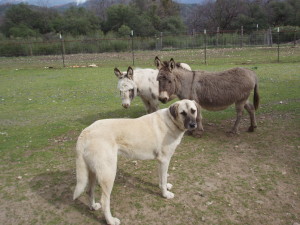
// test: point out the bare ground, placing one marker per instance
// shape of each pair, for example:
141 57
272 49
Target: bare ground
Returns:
251 178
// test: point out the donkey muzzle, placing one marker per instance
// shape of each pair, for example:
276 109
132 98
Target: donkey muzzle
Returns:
163 97
163 100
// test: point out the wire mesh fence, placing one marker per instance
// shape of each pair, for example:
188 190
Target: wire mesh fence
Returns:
63 49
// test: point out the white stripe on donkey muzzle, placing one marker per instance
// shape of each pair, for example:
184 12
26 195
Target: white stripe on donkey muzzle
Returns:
163 96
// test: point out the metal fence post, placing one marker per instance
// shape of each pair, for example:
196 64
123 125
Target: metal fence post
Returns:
161 41
62 49
218 31
132 47
295 37
205 46
278 44
194 44
242 35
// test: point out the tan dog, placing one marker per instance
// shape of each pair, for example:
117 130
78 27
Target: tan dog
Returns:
153 136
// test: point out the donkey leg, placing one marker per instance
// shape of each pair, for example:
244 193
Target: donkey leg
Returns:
239 107
251 110
199 130
154 105
147 105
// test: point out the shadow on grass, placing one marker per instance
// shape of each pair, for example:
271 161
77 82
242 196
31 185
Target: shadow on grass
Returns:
57 189
133 183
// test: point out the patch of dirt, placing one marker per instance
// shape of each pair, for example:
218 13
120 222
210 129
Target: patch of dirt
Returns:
250 178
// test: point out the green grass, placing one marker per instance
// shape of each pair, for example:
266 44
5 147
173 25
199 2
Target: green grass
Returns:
43 110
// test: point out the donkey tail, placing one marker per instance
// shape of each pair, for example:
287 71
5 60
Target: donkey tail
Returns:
81 170
256 96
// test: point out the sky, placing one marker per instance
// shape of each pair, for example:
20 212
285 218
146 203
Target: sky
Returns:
80 1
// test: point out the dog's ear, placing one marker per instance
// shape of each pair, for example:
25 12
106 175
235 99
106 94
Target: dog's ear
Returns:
172 64
157 63
118 73
129 73
174 110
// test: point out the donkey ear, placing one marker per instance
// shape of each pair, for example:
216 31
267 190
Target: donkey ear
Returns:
157 62
174 110
172 64
118 73
130 73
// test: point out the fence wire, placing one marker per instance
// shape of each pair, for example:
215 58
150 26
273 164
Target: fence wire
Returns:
64 49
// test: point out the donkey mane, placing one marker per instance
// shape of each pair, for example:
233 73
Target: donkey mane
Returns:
178 65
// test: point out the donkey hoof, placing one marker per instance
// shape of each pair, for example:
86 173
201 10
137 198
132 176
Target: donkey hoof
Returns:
232 133
251 129
195 133
188 133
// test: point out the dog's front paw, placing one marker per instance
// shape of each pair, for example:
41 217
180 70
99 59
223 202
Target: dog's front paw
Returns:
169 186
168 195
114 221
95 206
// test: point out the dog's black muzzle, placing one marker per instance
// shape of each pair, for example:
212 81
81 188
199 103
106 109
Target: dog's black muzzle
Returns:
192 125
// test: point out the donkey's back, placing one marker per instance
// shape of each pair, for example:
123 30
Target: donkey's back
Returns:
218 90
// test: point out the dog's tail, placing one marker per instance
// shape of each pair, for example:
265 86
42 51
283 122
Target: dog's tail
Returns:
82 172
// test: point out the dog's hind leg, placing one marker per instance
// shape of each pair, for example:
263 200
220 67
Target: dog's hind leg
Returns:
106 173
91 191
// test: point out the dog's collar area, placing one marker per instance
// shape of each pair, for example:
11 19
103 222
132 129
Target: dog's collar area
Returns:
174 123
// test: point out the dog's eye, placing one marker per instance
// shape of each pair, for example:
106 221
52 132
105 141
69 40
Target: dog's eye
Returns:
183 113
193 111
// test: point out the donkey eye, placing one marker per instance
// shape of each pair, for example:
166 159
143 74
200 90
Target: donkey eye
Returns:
183 113
193 111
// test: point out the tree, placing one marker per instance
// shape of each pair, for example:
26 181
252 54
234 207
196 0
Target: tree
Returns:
78 21
173 25
118 15
281 13
295 13
99 7
168 8
22 17
124 31
22 31
253 13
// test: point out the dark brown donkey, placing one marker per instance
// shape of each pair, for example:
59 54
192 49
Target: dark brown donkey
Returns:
213 91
